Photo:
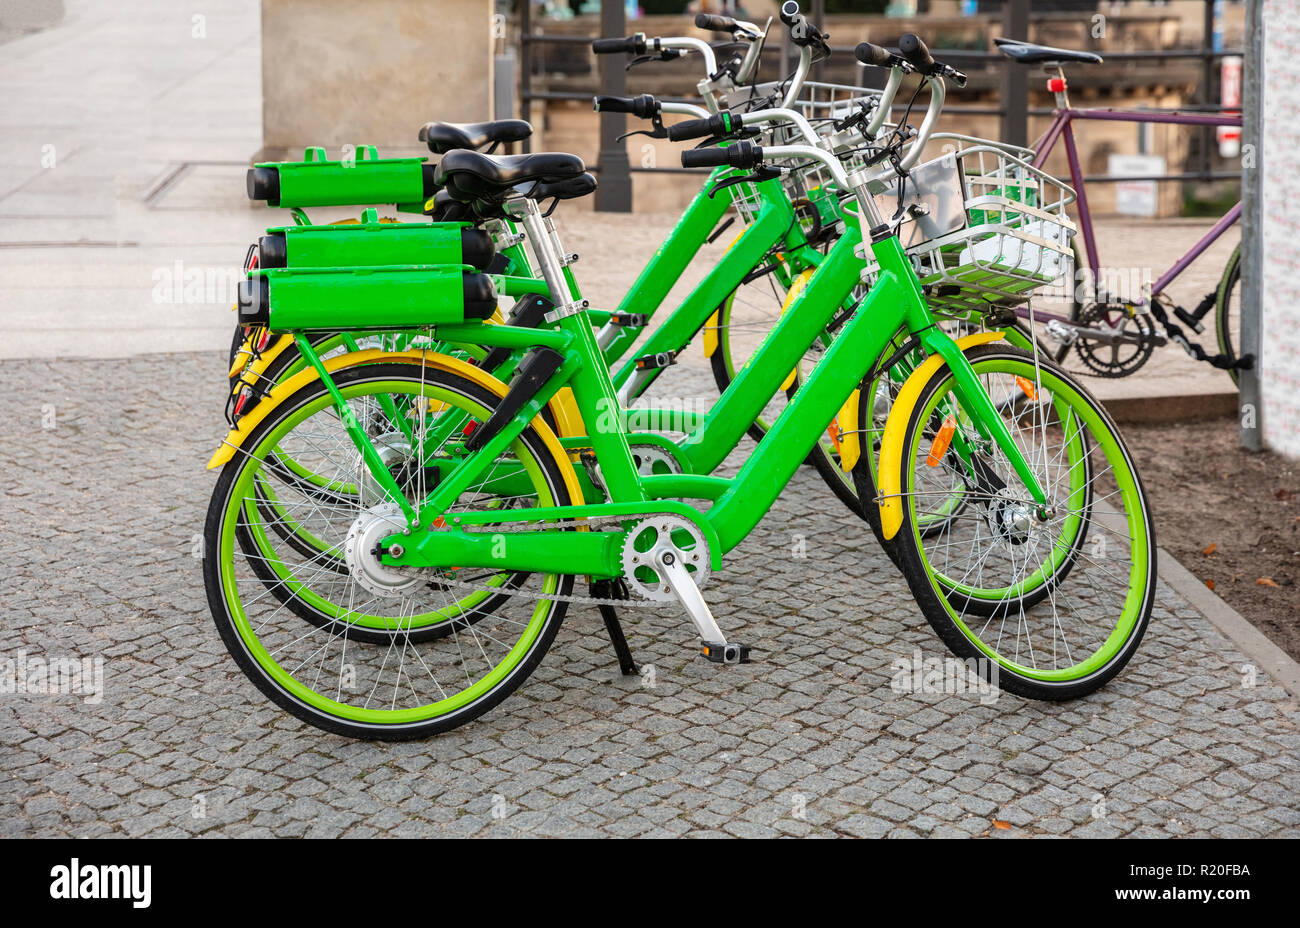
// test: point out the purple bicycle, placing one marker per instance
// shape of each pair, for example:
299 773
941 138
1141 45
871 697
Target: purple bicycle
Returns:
1115 336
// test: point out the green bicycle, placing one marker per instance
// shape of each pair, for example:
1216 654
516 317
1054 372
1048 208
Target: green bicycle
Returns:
731 309
481 488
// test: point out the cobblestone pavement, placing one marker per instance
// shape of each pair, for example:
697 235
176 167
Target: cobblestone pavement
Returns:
103 510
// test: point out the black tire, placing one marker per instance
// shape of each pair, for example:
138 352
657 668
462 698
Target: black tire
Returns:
213 575
1229 340
936 606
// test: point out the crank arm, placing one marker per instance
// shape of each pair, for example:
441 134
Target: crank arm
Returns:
1110 337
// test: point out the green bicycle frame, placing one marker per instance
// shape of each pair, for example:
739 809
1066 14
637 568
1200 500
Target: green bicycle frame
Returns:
894 302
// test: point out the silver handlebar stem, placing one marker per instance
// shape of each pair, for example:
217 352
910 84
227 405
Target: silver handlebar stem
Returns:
886 102
937 93
778 114
690 43
800 75
750 62
860 181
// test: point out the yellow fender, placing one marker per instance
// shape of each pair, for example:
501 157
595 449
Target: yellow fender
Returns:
849 443
796 288
711 327
236 437
254 368
889 469
889 473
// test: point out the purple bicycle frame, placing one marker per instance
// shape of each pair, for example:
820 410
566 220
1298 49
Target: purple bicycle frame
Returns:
1062 126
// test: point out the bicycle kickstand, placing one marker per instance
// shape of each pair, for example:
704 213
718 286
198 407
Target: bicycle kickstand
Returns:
615 589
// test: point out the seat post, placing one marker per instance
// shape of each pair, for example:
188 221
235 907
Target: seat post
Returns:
1059 87
545 245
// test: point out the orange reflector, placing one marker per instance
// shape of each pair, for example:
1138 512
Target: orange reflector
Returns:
939 447
1028 386
833 431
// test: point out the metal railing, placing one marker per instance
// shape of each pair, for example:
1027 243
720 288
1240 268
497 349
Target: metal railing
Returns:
1013 109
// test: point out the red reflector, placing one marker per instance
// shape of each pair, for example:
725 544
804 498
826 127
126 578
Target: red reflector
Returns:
469 428
1056 85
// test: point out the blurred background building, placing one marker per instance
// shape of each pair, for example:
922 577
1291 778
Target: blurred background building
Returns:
1154 53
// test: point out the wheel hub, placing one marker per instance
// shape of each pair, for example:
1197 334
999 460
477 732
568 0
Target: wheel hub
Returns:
1013 520
394 450
361 551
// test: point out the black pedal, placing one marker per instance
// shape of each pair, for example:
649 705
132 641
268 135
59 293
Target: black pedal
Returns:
729 653
615 589
654 362
634 320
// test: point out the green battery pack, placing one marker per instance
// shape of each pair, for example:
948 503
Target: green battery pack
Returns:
364 179
375 244
364 298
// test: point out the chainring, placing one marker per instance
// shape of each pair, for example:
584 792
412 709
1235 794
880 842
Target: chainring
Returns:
649 538
1121 358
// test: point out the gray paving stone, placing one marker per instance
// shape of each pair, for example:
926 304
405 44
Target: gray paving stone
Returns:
813 725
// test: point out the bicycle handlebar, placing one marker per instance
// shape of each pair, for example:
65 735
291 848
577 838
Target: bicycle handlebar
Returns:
915 51
719 124
781 114
715 23
632 45
743 154
880 57
802 33
644 106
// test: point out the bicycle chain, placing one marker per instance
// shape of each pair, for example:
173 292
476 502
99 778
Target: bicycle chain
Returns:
556 597
1175 333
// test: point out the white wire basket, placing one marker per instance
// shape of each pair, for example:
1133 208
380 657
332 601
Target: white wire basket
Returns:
1012 237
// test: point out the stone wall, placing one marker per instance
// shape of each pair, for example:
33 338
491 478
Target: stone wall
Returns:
1279 158
336 71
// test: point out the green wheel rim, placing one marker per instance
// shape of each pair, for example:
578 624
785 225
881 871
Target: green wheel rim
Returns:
1139 573
250 641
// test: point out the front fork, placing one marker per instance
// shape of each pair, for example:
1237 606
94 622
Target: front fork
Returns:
970 392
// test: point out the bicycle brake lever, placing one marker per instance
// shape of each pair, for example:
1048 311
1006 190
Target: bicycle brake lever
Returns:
715 140
658 132
668 54
854 119
761 174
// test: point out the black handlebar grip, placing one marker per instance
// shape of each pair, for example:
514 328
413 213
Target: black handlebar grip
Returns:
715 23
874 55
644 106
911 47
717 124
632 45
743 154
